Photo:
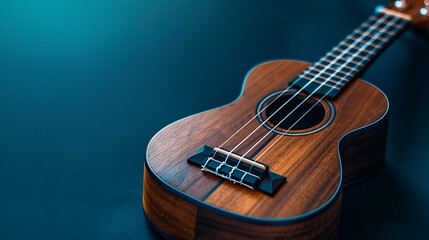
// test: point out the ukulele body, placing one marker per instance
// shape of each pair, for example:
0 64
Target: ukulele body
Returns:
183 202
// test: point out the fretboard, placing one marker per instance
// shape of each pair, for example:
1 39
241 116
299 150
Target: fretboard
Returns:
351 57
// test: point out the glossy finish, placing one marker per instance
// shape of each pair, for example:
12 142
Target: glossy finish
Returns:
311 163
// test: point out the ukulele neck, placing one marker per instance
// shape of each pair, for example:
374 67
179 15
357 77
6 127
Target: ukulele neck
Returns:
328 76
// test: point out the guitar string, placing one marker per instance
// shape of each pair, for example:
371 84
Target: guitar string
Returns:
305 114
403 24
367 31
361 61
250 120
325 68
309 82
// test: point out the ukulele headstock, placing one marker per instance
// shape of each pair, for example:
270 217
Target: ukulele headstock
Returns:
418 10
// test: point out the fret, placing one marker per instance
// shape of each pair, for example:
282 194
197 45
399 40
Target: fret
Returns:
379 36
355 56
313 72
334 70
372 35
394 18
373 27
328 72
378 39
321 83
388 23
395 25
328 78
370 45
327 85
341 63
373 21
376 30
345 62
347 59
377 17
364 40
338 48
338 67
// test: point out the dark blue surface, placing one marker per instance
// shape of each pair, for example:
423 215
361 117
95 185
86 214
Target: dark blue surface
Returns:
85 84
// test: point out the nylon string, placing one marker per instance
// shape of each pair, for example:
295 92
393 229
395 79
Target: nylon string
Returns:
309 82
320 99
367 31
342 66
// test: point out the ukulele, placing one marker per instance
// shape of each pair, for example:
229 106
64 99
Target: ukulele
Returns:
272 164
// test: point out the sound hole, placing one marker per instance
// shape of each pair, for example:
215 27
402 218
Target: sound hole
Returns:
295 108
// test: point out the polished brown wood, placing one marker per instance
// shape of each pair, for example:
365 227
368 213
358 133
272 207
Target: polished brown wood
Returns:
185 203
210 225
175 216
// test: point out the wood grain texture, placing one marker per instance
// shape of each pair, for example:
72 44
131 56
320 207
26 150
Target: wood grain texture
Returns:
173 215
212 226
310 163
363 153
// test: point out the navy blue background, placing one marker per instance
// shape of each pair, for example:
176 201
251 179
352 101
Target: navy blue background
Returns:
85 84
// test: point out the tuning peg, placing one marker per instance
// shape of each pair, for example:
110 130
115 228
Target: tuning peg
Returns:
400 4
425 10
